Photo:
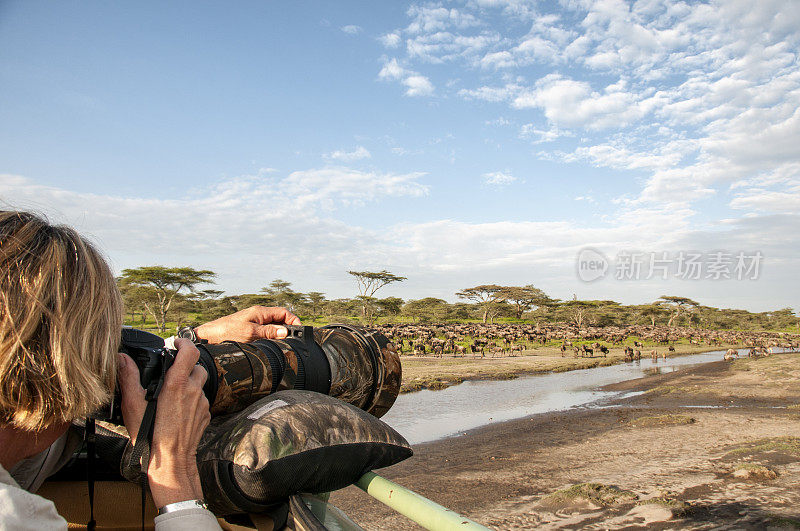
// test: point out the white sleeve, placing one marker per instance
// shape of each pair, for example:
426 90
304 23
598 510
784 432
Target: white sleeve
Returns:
187 520
21 510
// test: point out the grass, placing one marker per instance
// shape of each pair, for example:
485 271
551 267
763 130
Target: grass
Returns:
787 445
667 389
603 495
431 383
678 507
784 522
754 471
662 420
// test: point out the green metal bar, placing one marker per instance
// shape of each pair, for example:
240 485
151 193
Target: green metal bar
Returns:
426 513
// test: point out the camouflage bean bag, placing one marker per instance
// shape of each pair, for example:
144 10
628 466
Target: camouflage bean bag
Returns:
289 442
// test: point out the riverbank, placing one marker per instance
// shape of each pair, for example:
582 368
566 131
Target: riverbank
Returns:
654 459
428 372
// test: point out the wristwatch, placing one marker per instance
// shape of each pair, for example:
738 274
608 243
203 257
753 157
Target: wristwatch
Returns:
189 333
179 506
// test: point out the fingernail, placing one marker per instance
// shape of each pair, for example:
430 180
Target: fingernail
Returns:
281 332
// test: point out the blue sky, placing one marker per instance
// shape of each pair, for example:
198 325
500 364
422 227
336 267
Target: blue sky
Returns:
455 143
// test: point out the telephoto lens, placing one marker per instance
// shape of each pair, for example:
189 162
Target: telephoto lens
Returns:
357 365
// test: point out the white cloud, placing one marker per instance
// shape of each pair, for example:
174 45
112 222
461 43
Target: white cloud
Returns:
358 153
493 94
498 178
392 70
391 40
501 121
769 200
418 86
571 103
443 46
352 29
502 59
329 187
427 19
540 136
587 198
401 152
618 156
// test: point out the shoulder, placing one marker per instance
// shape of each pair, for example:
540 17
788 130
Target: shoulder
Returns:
19 509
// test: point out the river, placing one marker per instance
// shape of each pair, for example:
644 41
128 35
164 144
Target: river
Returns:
430 415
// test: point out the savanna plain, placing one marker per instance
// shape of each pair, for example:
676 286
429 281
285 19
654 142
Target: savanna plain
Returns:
711 446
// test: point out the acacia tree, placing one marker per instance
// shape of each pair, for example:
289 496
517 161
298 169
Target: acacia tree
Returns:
279 291
135 298
205 302
341 307
523 298
429 309
580 310
165 283
651 311
369 282
389 305
485 296
678 305
315 300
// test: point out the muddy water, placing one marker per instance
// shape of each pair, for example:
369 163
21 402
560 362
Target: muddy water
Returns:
429 415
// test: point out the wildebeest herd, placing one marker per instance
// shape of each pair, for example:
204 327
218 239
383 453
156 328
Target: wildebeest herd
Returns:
481 340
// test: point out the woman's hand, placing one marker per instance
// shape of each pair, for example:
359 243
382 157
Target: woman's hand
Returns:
256 322
182 415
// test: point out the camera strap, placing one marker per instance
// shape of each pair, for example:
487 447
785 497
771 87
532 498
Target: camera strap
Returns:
91 440
139 457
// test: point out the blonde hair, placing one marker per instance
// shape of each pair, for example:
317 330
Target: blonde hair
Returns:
60 321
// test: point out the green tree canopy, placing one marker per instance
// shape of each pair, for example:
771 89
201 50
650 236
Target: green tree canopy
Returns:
429 309
315 301
678 305
651 311
486 296
282 294
523 298
389 305
164 283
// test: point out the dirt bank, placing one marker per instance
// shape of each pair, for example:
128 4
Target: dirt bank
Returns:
649 460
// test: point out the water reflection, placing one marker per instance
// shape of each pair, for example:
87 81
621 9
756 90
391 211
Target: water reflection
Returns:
429 415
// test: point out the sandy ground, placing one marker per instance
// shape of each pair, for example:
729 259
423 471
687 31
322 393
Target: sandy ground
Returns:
732 464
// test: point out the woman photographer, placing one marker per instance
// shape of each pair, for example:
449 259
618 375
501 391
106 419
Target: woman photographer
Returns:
60 320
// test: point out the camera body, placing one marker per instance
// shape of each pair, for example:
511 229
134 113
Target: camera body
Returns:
153 360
